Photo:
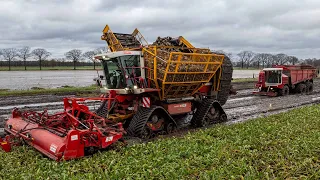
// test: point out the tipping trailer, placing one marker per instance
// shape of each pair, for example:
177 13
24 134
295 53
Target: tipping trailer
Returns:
285 79
149 90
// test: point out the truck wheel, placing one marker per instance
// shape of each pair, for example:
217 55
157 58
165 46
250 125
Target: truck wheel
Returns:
284 91
3 133
309 87
301 88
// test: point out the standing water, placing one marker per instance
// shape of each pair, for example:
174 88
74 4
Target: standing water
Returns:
53 79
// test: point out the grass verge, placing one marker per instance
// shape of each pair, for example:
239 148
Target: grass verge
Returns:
37 90
281 146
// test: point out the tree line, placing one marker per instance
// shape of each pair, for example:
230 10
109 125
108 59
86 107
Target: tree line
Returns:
243 59
246 59
41 55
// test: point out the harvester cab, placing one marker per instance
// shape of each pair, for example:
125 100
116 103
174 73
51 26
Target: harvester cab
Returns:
122 70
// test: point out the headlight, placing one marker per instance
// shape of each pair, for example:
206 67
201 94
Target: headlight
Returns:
127 89
135 87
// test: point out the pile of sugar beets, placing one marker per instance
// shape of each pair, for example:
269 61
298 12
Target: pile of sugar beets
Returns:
169 44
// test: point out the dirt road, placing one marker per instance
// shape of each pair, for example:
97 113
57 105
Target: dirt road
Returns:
239 107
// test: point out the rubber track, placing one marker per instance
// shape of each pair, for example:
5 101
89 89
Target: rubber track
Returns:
203 110
139 120
225 81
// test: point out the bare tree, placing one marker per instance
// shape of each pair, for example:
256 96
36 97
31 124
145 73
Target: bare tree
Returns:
60 61
257 60
24 54
40 54
9 54
100 50
223 52
293 60
250 59
246 57
89 55
280 58
74 55
263 58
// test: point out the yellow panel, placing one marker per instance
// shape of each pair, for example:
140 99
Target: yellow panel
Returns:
185 42
180 70
136 33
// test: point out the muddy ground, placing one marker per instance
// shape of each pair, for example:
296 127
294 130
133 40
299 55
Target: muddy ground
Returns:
240 107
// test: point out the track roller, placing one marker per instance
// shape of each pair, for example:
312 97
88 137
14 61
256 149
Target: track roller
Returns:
149 122
209 112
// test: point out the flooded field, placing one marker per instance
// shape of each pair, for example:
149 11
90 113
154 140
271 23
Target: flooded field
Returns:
45 79
53 79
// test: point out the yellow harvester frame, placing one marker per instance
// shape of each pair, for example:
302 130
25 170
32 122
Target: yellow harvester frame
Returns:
177 79
115 45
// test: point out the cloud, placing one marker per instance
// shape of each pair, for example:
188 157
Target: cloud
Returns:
288 26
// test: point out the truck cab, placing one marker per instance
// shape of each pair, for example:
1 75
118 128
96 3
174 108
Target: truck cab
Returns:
271 77
271 80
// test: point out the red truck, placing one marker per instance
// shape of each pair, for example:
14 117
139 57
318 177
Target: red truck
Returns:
284 79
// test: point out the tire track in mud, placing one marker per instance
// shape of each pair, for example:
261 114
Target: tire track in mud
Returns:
236 107
20 100
239 108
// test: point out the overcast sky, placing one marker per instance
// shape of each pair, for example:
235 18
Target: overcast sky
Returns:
276 26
